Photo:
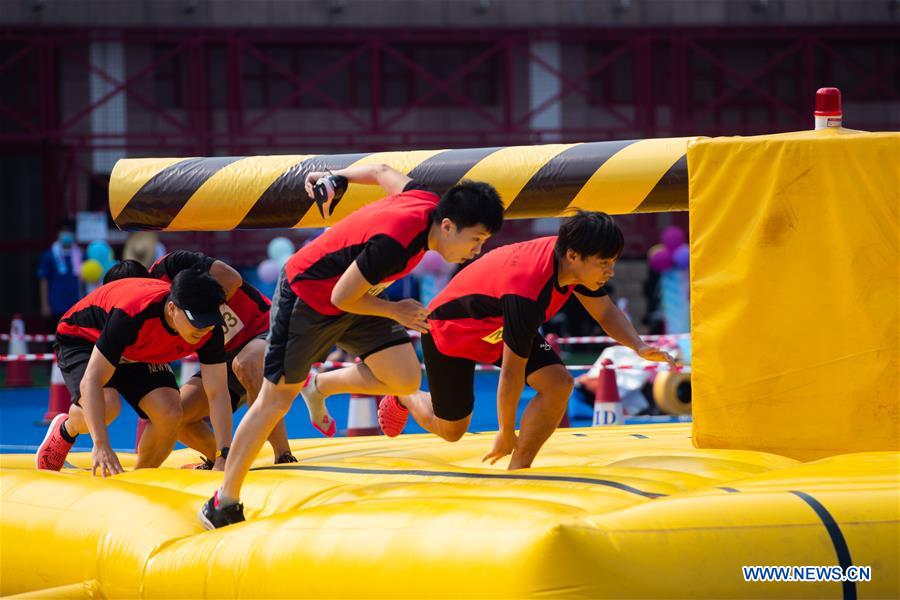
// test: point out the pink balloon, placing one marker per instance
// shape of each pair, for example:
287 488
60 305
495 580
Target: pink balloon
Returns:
661 260
268 271
673 236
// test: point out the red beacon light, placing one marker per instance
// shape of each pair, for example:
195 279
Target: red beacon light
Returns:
828 108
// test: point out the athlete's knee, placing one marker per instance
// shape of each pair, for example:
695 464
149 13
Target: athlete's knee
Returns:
167 414
275 399
452 431
559 382
247 371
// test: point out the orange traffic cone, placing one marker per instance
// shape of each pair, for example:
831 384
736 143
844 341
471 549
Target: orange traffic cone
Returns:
60 398
363 416
18 372
607 403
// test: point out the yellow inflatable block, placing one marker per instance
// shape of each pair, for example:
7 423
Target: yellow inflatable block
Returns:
637 513
795 292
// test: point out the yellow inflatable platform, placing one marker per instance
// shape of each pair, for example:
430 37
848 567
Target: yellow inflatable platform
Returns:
618 512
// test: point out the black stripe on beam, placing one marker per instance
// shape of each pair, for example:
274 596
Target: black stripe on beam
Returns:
670 193
285 202
837 540
442 171
164 195
425 473
556 184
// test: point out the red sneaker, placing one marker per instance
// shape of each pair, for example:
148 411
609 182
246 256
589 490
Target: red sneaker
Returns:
392 416
52 453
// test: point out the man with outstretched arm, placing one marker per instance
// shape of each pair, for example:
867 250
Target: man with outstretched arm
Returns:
330 293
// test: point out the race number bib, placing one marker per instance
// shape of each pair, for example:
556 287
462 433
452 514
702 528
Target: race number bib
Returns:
233 323
494 338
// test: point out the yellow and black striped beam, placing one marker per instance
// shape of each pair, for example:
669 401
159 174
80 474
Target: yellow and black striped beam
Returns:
260 192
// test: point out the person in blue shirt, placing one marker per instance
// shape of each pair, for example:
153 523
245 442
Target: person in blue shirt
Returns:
58 274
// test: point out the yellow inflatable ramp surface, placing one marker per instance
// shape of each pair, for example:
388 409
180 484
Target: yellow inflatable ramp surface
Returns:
627 512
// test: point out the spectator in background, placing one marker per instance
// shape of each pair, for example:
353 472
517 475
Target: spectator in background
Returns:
58 274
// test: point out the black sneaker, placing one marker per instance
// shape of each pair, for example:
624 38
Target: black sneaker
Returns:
287 457
206 465
213 516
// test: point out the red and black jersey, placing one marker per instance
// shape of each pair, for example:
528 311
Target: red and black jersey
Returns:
386 239
124 319
504 296
246 313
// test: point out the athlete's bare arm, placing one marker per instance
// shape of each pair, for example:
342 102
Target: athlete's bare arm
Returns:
616 324
391 180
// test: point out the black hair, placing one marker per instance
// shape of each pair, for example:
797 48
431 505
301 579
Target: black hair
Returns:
66 224
590 234
197 291
471 203
125 269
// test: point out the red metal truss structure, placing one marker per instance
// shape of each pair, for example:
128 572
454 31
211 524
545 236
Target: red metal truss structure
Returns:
195 92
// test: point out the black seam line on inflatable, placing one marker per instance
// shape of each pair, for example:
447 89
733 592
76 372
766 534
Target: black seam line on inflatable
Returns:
553 187
639 436
285 201
730 490
162 197
837 540
424 473
670 192
442 171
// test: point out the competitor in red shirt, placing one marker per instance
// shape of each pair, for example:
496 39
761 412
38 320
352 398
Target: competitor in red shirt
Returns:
329 293
118 340
491 312
245 317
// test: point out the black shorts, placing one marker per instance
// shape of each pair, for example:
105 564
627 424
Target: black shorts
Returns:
235 387
452 380
132 380
299 336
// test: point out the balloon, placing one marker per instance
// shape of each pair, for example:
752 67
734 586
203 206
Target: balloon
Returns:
91 270
661 260
100 251
432 263
268 271
654 249
682 256
673 236
280 249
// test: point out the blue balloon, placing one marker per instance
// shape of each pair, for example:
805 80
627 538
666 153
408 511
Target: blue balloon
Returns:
682 256
280 249
100 251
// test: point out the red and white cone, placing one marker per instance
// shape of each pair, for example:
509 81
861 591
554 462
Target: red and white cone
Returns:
18 372
607 403
60 398
363 416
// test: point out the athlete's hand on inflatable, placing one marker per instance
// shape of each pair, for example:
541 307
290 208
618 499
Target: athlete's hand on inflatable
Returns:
106 461
411 314
504 444
311 180
655 354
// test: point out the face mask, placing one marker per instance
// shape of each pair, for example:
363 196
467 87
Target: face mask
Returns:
66 239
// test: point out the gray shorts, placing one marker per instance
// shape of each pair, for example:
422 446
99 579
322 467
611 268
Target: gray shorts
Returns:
299 336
